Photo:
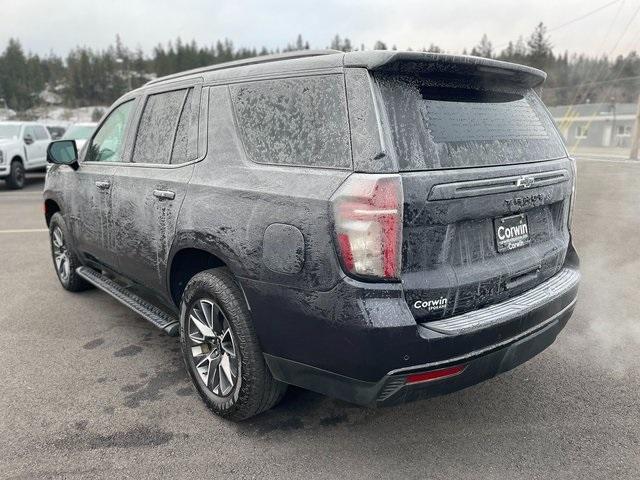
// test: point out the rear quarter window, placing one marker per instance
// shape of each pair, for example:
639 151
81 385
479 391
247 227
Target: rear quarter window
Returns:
165 126
294 121
437 124
184 147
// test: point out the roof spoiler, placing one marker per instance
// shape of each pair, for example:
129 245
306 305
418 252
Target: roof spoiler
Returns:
437 63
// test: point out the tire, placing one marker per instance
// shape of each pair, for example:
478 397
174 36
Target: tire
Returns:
65 260
214 299
15 180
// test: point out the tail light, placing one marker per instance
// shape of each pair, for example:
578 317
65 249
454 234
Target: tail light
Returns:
367 213
572 201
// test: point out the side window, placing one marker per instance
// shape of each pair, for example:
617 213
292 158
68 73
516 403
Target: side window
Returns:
108 142
40 132
295 121
582 131
184 147
160 124
29 133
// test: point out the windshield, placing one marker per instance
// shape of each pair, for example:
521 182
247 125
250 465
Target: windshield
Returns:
9 131
452 123
79 132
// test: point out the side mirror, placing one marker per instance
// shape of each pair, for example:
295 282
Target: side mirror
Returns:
63 152
28 139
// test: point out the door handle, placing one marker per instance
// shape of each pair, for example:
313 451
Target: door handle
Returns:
103 185
164 194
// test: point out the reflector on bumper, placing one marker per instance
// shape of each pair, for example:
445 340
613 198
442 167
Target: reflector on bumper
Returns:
435 374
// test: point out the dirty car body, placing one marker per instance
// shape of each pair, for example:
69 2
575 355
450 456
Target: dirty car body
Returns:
398 222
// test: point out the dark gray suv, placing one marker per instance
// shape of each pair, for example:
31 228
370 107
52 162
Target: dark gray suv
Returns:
375 226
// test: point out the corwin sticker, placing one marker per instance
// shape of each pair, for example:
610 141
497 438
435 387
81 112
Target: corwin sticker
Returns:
431 305
514 231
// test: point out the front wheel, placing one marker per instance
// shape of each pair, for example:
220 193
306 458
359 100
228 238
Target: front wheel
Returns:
65 260
220 348
16 177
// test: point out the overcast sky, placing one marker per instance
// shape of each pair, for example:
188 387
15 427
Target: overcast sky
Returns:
44 26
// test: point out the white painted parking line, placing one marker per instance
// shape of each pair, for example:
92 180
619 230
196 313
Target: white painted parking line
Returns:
21 192
21 196
26 230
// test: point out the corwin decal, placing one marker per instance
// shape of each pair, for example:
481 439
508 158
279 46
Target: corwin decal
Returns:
431 305
514 231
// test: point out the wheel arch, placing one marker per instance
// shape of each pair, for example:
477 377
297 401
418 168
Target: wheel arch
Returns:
50 208
191 253
17 158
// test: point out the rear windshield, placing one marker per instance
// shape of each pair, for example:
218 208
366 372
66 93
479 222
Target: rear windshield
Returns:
438 124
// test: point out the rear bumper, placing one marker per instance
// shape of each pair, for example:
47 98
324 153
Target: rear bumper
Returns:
359 342
393 388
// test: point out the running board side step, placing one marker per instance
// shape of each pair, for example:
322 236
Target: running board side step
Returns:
157 317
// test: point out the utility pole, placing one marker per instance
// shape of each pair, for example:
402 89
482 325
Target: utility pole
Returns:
635 142
612 137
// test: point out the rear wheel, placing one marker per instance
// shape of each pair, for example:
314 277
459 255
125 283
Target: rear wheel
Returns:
65 260
16 177
221 350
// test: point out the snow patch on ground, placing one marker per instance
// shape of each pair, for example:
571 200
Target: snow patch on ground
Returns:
64 116
7 114
49 97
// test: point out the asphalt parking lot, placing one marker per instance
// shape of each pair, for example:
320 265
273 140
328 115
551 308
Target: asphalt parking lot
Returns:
89 389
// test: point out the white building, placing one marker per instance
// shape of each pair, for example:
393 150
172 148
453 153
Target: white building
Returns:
596 124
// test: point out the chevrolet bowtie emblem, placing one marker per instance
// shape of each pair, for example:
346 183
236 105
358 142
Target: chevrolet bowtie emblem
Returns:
525 181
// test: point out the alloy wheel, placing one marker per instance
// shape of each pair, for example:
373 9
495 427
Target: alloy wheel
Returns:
60 255
19 176
213 347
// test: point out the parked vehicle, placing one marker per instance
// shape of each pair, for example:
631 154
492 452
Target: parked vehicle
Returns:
80 132
23 148
375 226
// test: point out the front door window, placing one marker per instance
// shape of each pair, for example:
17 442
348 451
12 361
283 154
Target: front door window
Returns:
108 142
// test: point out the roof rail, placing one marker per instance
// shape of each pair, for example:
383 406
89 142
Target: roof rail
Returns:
247 61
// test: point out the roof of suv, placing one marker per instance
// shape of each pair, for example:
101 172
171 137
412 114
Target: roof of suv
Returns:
399 61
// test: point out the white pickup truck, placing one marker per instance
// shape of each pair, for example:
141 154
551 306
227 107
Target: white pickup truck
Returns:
23 148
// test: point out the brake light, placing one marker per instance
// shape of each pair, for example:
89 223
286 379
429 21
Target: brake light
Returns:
432 375
572 200
367 213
